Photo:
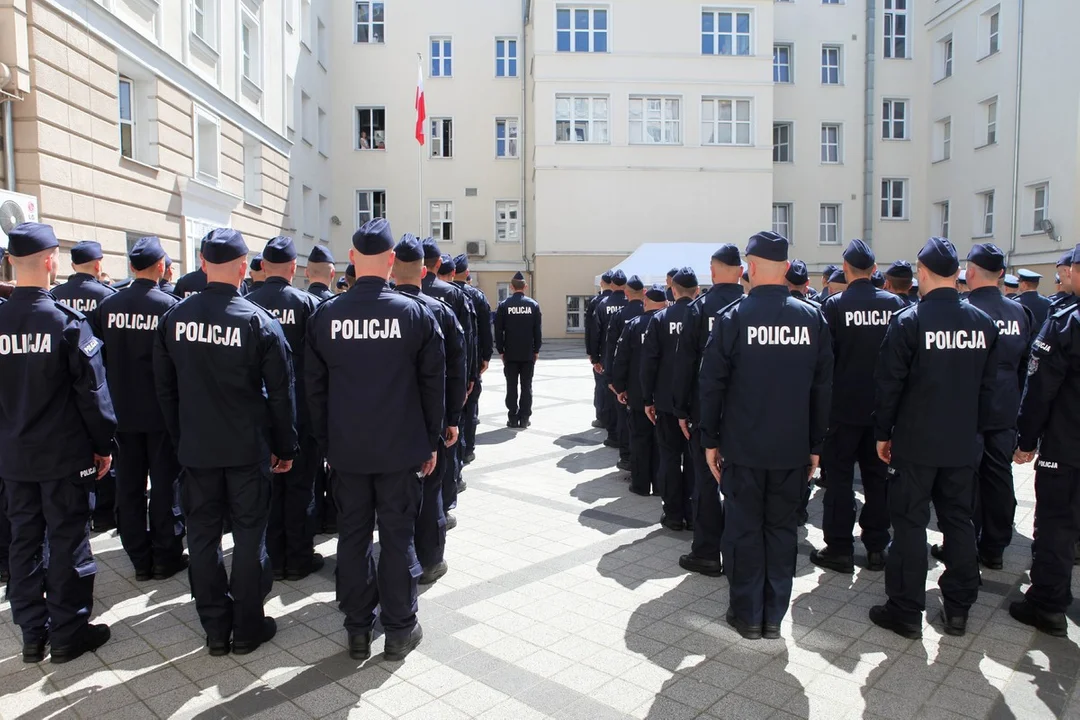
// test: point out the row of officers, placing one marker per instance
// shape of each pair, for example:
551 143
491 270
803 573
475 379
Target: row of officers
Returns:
237 407
726 403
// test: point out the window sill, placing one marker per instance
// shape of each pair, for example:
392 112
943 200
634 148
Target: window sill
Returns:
783 82
507 157
322 65
368 42
304 45
307 142
942 79
885 139
894 58
440 157
1033 233
828 244
985 145
835 85
207 180
831 164
892 219
989 55
746 146
251 88
580 142
506 77
137 165
324 153
982 237
252 206
652 144
940 160
203 48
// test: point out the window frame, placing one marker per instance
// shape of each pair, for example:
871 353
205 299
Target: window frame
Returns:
734 35
824 224
839 144
445 219
1044 188
664 121
888 196
201 116
825 68
322 125
579 313
369 195
358 127
444 62
891 38
789 65
991 109
506 122
370 24
506 58
993 38
987 213
789 210
208 12
946 138
948 56
716 123
305 121
889 120
515 223
787 144
944 209
591 30
437 131
591 122
130 122
252 23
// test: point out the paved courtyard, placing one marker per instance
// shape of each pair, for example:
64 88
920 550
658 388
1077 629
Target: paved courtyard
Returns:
564 599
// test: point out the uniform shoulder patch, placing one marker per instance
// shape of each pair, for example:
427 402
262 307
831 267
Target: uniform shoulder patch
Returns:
91 347
732 306
69 311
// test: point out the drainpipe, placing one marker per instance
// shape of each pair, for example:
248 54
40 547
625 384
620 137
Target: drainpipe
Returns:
9 145
1016 133
524 67
868 110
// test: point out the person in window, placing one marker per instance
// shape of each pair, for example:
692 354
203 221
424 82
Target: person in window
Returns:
365 144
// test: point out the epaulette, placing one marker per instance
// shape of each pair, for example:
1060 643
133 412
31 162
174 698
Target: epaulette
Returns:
731 305
1064 312
69 311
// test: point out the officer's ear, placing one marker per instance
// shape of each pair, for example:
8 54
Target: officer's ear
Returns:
423 271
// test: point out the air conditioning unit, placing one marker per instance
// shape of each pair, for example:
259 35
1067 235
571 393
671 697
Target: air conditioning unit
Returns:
16 208
476 248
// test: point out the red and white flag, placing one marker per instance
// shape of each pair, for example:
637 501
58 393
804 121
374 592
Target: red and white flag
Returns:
421 109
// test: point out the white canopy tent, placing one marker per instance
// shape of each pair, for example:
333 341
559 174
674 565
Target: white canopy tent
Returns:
651 261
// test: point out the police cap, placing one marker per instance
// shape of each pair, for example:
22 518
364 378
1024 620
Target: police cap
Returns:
461 263
988 256
1066 259
1011 281
86 251
797 274
900 269
223 245
319 254
373 237
431 249
657 293
256 262
618 278
939 257
838 277
168 262
728 254
828 271
635 284
409 249
518 276
446 265
768 245
350 271
671 272
342 282
29 238
685 277
606 277
1028 275
146 252
859 255
877 279
281 249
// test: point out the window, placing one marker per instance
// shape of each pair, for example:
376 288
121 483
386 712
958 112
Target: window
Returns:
575 313
1041 200
943 219
442 138
370 204
829 225
893 199
305 23
126 99
894 120
995 35
991 121
655 121
987 206
370 22
370 128
581 119
896 28
207 139
945 139
442 57
831 2
781 219
781 63
310 211
581 29
725 32
442 221
506 137
253 171
830 64
725 121
324 219
250 46
502 291
324 133
290 101
322 43
946 57
507 221
830 143
204 21
781 142
506 57
307 121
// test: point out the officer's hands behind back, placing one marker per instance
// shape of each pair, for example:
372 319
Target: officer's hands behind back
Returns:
277 465
102 463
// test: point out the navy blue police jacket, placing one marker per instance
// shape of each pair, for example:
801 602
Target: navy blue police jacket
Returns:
518 334
457 384
766 381
232 361
1050 408
606 310
627 312
858 319
1016 331
626 373
292 308
375 379
463 309
128 323
812 299
485 344
190 284
55 409
1037 304
660 355
697 328
320 291
166 286
591 339
1066 301
82 292
935 380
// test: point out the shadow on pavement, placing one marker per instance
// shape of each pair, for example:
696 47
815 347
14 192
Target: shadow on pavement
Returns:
579 462
495 437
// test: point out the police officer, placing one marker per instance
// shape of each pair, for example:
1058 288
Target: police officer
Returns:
1012 286
767 351
350 276
1030 298
233 425
1061 288
430 533
320 272
1047 424
592 340
194 281
658 363
128 322
258 276
898 279
826 275
56 434
858 319
290 529
725 268
877 280
837 282
606 310
484 349
166 282
961 284
382 352
1067 294
341 285
935 379
626 378
798 280
635 295
669 294
518 338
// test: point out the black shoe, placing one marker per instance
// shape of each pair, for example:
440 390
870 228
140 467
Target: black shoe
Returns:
360 646
832 560
511 423
1050 623
689 525
643 493
883 618
803 517
218 648
5 576
316 564
165 571
451 521
623 465
955 625
433 573
89 640
770 632
396 650
243 647
937 552
599 424
611 443
675 525
524 423
750 632
469 457
462 486
709 568
991 562
144 574
34 651
875 561
279 574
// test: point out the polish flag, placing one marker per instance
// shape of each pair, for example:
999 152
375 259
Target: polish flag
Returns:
421 109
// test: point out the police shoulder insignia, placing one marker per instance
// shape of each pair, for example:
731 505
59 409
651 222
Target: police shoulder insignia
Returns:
91 347
1033 365
69 311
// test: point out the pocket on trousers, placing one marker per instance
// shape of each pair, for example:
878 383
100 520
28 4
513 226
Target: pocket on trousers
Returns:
83 560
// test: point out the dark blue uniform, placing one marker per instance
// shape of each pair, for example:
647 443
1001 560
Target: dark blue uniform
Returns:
484 348
55 416
190 284
626 377
858 319
935 380
606 310
375 372
632 309
518 338
1037 304
5 524
324 516
236 409
767 352
592 350
320 291
290 530
658 365
128 322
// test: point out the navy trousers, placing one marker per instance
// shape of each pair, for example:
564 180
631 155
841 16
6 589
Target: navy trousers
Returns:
290 527
431 521
393 498
450 473
5 529
519 373
141 455
676 468
1057 502
470 418
995 501
708 509
600 389
56 514
229 606
644 454
846 445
